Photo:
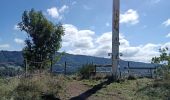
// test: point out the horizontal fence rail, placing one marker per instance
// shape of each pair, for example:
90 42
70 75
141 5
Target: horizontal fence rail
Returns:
70 67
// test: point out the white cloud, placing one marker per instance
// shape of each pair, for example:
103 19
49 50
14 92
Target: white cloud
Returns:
133 53
4 46
16 27
53 12
107 24
86 42
168 35
166 45
77 38
131 16
167 22
19 41
63 9
57 13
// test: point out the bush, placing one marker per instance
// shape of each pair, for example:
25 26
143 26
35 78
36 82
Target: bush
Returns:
38 87
86 71
131 77
7 86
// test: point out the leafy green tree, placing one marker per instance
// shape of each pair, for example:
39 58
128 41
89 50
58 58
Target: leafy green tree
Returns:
163 59
44 38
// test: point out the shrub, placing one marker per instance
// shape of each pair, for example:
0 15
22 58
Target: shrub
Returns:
38 87
86 71
131 77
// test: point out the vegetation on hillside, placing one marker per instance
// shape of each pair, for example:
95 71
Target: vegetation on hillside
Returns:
86 71
163 72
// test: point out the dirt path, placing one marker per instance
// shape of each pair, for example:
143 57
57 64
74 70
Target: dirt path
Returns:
76 90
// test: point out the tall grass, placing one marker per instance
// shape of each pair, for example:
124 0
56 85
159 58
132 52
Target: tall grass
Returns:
86 71
37 87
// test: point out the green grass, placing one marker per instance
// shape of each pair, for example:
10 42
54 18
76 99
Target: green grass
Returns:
33 88
7 86
139 89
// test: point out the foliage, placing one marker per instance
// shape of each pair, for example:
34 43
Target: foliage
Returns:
162 84
44 38
86 71
164 59
131 77
42 86
31 88
7 86
10 71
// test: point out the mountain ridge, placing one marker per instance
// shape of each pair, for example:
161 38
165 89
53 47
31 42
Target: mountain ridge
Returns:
17 58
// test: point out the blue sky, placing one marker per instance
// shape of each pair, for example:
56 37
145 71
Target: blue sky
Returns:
144 25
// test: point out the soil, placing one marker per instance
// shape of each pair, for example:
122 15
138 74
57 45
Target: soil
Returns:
76 90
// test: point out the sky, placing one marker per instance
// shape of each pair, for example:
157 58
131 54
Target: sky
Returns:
144 26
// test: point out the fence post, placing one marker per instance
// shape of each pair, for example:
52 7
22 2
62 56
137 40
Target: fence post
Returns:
51 68
25 67
95 69
120 73
65 65
128 67
151 73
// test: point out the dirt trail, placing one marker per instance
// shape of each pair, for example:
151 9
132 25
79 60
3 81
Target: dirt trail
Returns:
76 90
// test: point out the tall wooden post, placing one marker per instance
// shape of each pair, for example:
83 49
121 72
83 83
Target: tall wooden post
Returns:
115 38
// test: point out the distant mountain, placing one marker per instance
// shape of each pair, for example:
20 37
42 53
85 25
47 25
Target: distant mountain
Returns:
13 57
73 61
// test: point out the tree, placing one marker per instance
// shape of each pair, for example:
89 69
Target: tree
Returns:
163 59
44 38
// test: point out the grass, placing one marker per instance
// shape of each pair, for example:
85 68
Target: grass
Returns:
7 86
32 88
139 89
36 87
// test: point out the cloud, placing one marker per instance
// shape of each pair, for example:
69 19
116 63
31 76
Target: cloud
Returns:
141 53
168 35
57 13
107 24
131 16
77 38
63 9
4 46
16 27
167 22
19 41
86 42
53 12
